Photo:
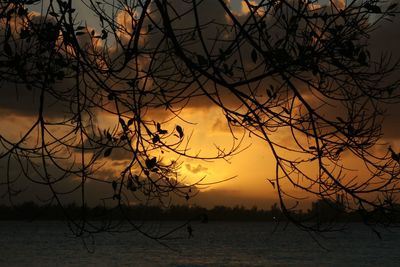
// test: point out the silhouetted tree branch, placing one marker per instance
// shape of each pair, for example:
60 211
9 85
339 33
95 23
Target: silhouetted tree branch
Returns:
283 67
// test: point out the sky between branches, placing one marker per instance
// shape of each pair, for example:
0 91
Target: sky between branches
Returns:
252 167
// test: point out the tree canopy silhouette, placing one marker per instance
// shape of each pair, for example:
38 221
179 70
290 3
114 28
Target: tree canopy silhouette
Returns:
277 66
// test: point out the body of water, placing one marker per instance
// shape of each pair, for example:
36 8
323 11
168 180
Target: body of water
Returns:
213 244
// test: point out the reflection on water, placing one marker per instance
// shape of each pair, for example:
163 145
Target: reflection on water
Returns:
212 244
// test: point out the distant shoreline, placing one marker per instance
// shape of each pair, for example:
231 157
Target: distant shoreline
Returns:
320 212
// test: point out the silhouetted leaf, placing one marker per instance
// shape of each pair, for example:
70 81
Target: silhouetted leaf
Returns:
130 122
104 34
122 122
395 156
156 138
180 131
22 12
254 55
151 163
159 130
107 152
272 183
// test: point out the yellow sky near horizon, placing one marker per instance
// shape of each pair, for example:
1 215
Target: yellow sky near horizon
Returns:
207 130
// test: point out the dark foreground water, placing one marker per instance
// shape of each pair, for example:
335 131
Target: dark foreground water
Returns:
213 244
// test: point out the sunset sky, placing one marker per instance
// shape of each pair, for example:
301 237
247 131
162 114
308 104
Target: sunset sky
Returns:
251 168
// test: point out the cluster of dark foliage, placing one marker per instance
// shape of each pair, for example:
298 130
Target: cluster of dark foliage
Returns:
322 212
32 211
302 68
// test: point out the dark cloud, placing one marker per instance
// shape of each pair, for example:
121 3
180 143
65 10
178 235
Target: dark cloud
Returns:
68 189
18 99
213 17
390 125
29 74
386 41
99 191
217 38
23 101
